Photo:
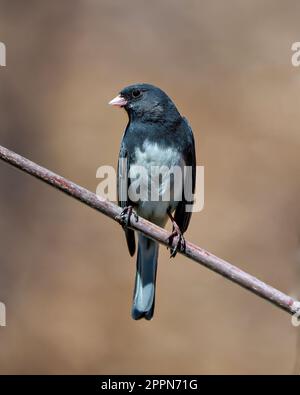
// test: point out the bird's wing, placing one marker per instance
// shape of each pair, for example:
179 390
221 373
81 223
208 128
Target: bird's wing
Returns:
182 216
122 191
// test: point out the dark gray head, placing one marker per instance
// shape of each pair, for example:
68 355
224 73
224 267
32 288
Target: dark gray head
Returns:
146 103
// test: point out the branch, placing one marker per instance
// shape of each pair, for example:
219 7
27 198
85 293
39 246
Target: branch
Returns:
192 251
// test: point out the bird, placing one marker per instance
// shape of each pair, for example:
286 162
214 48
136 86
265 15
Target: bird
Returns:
156 136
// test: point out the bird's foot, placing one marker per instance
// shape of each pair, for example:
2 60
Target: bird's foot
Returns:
178 237
124 217
179 242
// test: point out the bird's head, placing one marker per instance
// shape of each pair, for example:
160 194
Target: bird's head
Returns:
145 102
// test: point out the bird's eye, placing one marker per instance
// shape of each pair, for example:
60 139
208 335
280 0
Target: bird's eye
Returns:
136 93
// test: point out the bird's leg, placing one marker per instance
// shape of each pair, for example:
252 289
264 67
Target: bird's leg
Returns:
124 217
176 233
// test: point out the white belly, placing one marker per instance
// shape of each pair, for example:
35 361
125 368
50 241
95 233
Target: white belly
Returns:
160 191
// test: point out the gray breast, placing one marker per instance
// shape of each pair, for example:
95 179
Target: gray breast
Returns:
153 167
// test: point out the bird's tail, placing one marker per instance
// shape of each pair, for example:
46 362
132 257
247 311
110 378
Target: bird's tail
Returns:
144 290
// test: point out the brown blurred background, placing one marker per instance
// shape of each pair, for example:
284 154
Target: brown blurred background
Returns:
65 273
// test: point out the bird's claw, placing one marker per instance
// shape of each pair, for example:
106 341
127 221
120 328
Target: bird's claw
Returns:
179 243
124 217
177 235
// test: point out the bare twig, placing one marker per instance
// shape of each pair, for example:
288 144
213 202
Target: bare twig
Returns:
192 251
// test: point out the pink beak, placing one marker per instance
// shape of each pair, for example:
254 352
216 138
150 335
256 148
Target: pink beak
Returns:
118 101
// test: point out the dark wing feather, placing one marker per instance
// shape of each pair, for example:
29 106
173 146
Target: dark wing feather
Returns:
182 217
122 190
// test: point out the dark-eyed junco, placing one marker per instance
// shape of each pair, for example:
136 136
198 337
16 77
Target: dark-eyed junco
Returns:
156 136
